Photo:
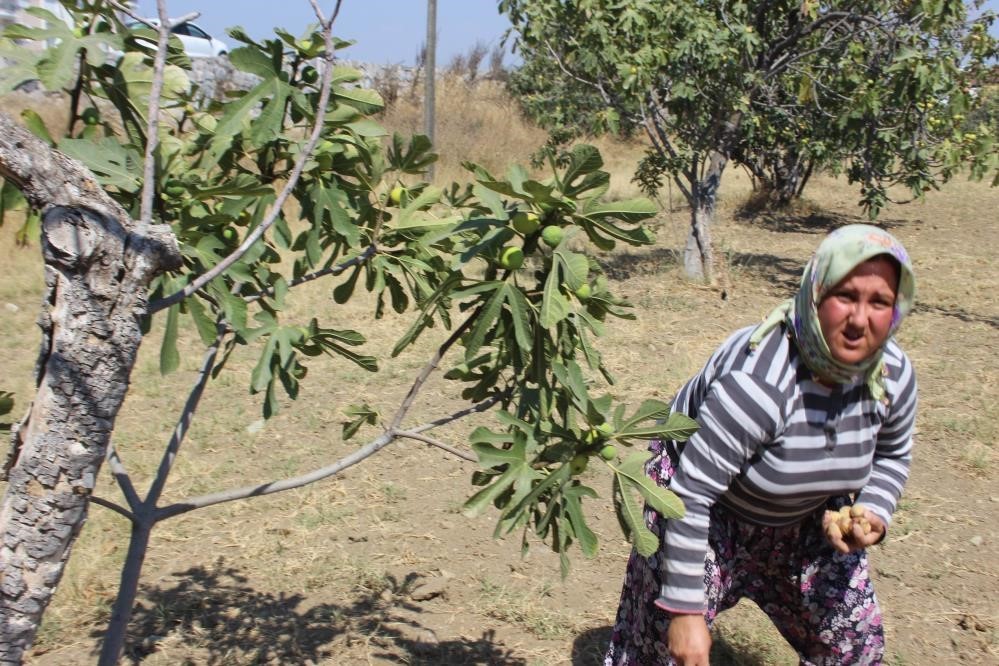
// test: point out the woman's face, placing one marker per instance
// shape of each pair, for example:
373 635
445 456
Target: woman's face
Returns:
856 314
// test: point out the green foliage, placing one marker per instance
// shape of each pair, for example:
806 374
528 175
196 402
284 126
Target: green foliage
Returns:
527 331
876 89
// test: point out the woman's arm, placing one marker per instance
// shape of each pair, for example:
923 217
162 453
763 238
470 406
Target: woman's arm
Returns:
739 413
893 449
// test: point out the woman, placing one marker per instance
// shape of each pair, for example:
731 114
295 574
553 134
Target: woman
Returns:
809 411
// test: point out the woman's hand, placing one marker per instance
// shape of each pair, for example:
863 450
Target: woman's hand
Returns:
854 538
689 640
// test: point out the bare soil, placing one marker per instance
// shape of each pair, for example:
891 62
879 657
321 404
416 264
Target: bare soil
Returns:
379 565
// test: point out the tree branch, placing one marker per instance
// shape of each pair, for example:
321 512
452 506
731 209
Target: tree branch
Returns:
186 416
272 487
114 507
296 173
153 118
430 367
123 479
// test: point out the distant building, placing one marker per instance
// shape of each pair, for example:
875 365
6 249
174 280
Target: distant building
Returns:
14 12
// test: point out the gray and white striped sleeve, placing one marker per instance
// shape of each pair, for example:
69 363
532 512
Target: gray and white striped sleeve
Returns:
739 413
893 449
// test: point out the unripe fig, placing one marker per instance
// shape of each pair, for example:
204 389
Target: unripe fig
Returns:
578 463
609 452
90 116
552 235
526 222
512 258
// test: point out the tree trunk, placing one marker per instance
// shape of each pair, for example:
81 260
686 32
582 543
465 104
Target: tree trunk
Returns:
698 258
114 639
791 172
98 263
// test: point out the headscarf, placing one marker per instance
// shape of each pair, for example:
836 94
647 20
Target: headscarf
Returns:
842 250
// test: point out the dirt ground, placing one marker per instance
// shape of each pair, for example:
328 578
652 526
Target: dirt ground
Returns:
379 566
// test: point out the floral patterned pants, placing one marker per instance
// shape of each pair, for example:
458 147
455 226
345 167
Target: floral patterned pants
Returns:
822 602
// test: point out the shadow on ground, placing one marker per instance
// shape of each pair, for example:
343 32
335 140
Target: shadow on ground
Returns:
590 646
795 220
782 273
624 264
214 613
957 313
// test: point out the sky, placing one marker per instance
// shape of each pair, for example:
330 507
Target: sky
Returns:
386 31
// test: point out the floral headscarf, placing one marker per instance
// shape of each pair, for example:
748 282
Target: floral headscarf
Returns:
841 251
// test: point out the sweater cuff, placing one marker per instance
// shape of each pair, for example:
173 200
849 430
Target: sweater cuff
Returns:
670 606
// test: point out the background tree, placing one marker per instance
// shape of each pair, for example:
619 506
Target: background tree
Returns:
875 89
203 236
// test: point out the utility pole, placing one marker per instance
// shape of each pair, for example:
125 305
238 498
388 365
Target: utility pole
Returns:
429 94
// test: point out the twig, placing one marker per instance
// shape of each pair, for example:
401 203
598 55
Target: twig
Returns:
474 409
125 9
434 442
332 270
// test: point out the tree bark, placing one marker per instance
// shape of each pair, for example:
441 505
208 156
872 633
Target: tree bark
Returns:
98 263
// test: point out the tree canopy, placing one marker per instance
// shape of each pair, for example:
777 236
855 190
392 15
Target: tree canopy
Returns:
875 89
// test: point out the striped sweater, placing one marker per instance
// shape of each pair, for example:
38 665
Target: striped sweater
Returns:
774 445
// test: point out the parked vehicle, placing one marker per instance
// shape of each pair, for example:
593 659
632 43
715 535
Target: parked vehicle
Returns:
197 43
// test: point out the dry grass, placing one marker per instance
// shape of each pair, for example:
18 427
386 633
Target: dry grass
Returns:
480 124
326 574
